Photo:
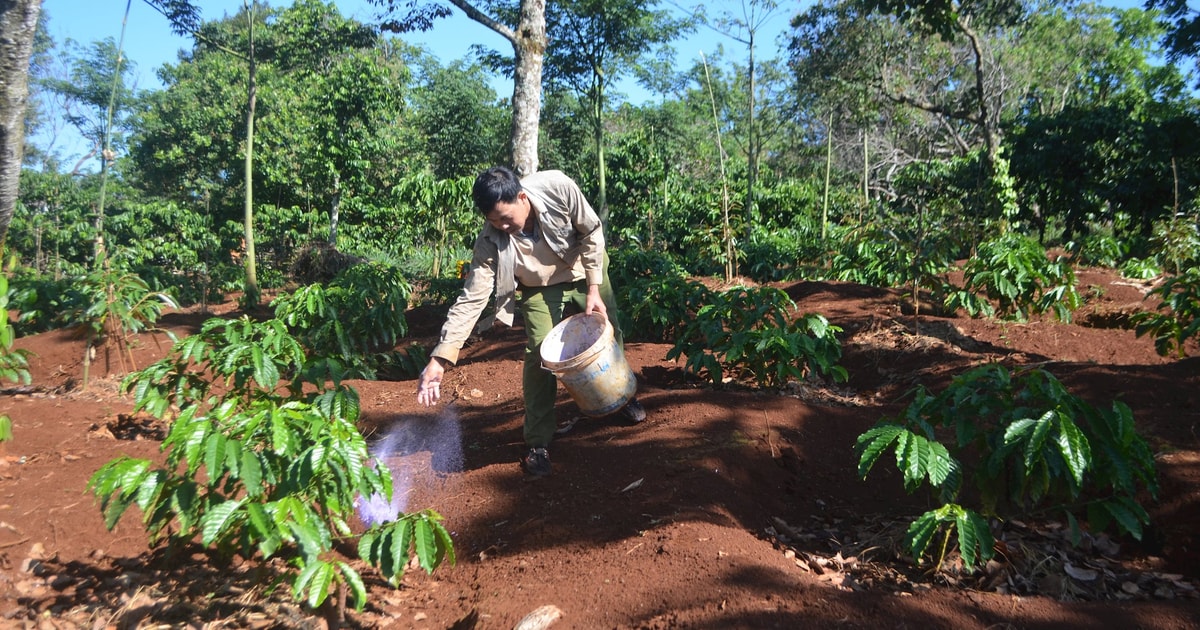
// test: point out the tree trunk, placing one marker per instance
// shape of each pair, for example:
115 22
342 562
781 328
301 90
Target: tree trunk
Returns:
250 298
752 142
107 156
335 209
18 23
601 171
529 48
529 45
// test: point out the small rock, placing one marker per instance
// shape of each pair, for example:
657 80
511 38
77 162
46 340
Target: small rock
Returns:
540 618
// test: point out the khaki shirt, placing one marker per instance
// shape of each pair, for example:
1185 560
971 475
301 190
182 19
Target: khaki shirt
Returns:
570 227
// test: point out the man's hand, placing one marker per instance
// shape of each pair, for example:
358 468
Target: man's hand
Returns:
429 388
594 303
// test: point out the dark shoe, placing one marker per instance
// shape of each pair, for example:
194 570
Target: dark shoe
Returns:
633 411
536 462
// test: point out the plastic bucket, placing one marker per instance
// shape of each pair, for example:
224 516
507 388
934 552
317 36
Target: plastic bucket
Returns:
582 352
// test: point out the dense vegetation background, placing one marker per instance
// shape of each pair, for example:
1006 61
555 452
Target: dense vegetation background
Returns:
880 144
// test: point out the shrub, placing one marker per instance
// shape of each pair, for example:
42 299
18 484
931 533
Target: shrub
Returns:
1140 269
751 333
1177 243
251 471
1102 250
1030 447
114 305
1014 271
1177 318
356 319
659 308
41 301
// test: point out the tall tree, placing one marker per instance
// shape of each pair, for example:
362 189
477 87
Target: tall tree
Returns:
744 28
18 26
525 31
1182 38
595 42
185 20
460 119
951 19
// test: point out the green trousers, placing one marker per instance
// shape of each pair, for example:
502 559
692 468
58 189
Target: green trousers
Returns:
542 309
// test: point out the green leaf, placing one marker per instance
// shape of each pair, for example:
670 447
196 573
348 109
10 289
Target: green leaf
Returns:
358 590
217 519
214 458
401 543
304 587
1075 450
263 529
426 545
251 473
368 546
1128 515
975 541
873 443
919 533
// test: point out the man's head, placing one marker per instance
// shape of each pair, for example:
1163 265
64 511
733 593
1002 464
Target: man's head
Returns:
498 195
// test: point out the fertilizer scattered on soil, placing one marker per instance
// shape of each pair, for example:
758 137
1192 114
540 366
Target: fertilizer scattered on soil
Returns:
401 448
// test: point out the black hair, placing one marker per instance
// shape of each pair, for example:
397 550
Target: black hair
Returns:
495 185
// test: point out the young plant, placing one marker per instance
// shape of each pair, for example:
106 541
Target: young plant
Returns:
1140 269
751 333
115 305
912 254
1014 272
14 362
661 306
1029 447
1177 318
355 320
1178 244
273 464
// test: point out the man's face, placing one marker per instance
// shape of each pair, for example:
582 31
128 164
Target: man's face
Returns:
511 217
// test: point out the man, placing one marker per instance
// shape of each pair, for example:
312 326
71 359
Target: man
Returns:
542 242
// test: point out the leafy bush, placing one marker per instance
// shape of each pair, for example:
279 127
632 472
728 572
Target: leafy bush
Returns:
41 301
436 291
1177 243
250 471
1177 318
656 297
1102 250
1030 447
114 305
1014 271
14 362
772 255
355 319
659 308
902 255
1140 269
627 266
750 333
